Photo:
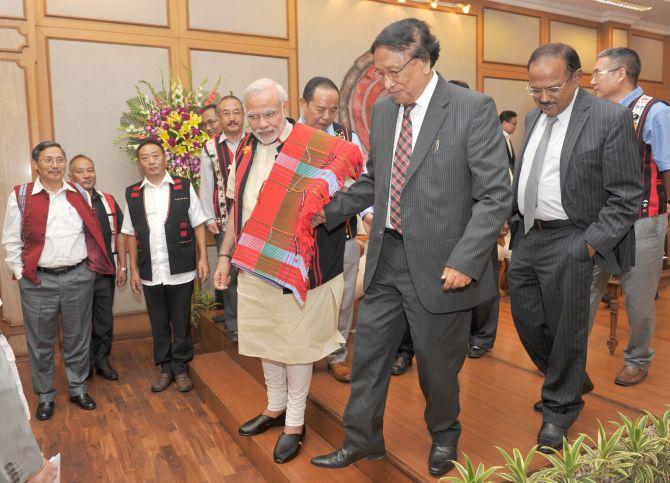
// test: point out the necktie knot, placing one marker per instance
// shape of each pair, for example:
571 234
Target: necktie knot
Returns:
408 109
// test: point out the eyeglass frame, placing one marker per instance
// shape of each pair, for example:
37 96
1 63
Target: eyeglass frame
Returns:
552 93
596 74
268 116
391 75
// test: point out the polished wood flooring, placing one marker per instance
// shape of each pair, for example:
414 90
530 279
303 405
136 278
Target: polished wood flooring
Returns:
135 435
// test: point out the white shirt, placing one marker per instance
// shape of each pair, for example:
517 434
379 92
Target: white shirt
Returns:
416 116
549 206
207 181
508 140
156 204
64 241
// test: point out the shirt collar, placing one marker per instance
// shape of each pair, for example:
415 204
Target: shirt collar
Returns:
285 133
427 94
166 179
38 186
223 138
634 94
507 136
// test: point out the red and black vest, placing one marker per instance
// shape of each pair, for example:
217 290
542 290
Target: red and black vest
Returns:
35 210
178 230
328 260
225 158
654 201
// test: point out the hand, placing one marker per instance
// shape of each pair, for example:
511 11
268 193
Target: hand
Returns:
213 227
367 223
318 218
47 474
222 274
592 251
504 231
203 269
121 277
453 279
135 282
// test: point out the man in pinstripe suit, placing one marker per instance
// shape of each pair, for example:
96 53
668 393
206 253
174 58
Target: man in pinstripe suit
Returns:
577 192
438 177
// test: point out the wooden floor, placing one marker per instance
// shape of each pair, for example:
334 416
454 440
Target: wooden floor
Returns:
135 435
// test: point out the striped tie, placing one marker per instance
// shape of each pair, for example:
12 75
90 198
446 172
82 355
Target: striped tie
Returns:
403 154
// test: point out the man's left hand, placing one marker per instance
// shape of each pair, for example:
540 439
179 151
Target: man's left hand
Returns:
203 269
318 218
453 279
592 251
121 277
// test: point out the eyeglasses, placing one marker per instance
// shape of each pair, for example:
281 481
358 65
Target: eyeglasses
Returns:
50 160
267 115
550 91
597 74
390 74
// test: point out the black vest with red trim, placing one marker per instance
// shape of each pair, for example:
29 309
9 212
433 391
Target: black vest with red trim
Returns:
224 157
178 229
328 261
347 134
654 201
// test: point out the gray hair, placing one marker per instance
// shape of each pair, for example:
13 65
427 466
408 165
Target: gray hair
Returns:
262 85
626 58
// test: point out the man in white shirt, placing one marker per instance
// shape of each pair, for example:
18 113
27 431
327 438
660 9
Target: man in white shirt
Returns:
508 121
164 223
216 160
577 193
50 231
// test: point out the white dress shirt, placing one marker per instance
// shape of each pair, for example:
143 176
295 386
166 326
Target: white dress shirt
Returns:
416 116
549 206
207 181
64 241
156 204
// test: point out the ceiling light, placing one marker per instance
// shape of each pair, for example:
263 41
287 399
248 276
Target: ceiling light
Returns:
433 4
627 5
466 8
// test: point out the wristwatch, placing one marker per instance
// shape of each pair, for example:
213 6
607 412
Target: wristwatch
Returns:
124 269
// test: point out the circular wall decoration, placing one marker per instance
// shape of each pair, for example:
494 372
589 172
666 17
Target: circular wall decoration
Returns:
360 90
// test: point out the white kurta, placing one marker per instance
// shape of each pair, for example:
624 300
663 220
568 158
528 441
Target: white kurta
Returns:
271 324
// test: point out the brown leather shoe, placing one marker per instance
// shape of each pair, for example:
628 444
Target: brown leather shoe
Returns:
340 371
629 376
162 382
184 383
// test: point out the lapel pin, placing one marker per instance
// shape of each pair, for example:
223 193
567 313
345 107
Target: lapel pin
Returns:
437 146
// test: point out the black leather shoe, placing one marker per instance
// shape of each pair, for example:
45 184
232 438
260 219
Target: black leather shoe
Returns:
400 366
84 401
587 388
104 368
44 410
441 459
550 436
476 351
344 457
261 424
288 446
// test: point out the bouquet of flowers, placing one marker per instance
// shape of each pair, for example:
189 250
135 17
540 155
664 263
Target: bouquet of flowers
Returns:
170 116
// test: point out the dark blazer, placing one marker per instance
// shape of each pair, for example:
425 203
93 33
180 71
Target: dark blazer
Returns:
601 187
455 200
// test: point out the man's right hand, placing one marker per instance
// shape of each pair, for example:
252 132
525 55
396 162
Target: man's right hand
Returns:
135 282
367 223
222 274
47 474
213 227
318 218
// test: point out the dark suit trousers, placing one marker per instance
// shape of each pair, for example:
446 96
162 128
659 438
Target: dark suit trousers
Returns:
440 343
549 280
485 315
406 348
103 318
169 308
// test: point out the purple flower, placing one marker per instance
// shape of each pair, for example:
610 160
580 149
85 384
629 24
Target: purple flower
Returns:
185 116
196 145
195 131
172 142
165 126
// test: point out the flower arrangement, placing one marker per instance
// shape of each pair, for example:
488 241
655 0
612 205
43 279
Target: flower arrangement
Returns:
170 116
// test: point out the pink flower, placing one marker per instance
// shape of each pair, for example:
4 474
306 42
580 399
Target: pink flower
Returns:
185 116
172 142
165 126
196 145
195 131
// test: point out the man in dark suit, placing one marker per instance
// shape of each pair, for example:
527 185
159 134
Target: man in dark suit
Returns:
438 178
577 192
508 121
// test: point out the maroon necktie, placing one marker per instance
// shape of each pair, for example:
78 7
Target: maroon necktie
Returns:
403 154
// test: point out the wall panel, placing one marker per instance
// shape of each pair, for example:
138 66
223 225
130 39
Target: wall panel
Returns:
150 12
511 95
509 38
87 105
12 8
356 25
651 52
619 38
583 39
267 18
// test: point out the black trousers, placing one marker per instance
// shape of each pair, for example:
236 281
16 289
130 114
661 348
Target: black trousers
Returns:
440 342
103 317
550 282
169 308
485 315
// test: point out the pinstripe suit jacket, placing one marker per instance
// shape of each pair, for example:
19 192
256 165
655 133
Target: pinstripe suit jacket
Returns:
601 178
456 197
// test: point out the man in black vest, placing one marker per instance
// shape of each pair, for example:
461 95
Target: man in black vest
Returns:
82 172
164 222
319 107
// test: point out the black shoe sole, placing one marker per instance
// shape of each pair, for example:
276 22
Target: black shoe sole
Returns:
442 472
